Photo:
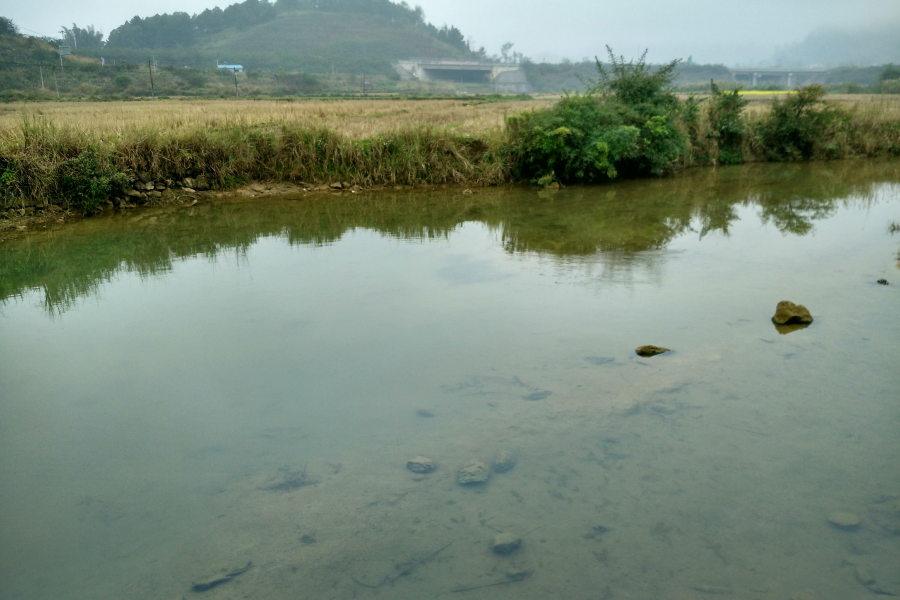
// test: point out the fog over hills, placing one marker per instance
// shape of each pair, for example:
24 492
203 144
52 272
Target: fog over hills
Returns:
750 32
833 47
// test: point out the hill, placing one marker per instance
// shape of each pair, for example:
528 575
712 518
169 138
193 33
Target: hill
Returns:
352 36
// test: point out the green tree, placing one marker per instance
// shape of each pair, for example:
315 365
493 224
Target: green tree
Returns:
7 27
82 38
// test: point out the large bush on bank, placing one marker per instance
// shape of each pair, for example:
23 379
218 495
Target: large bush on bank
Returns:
798 127
626 123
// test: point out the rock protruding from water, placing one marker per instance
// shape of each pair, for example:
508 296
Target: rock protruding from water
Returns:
650 350
504 462
506 543
420 464
788 313
474 473
844 520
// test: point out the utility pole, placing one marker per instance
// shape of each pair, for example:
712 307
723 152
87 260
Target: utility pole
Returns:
41 68
236 94
56 82
276 84
150 69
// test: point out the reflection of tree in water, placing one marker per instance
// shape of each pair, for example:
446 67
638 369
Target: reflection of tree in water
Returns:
618 228
795 215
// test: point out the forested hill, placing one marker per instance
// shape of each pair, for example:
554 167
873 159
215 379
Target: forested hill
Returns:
371 28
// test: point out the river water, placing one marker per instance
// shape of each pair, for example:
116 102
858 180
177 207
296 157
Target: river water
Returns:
186 391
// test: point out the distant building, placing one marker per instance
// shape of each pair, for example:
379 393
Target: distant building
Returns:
230 67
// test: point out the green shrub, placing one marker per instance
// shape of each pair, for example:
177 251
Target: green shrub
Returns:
726 123
796 126
122 81
579 139
88 179
195 79
9 186
627 123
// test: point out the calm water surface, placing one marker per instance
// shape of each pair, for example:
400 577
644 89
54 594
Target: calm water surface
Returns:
186 391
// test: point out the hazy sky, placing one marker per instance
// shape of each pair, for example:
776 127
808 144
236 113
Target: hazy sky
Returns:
726 31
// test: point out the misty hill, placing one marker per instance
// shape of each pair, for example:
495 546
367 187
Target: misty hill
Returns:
836 48
292 34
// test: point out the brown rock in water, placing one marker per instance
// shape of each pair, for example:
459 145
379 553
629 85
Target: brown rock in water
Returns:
473 473
506 543
420 464
650 350
788 313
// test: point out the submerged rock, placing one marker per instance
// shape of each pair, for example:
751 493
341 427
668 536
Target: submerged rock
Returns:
420 464
788 313
506 543
473 473
885 512
650 350
504 462
863 576
844 520
517 574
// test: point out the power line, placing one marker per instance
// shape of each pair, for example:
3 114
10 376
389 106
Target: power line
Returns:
33 31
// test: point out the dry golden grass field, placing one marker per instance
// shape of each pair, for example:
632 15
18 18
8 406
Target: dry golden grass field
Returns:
353 118
356 119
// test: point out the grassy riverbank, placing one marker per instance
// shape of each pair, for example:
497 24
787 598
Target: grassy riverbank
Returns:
82 155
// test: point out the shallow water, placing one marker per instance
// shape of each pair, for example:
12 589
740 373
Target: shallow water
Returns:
186 391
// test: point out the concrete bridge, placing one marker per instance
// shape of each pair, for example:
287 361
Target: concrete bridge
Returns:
505 77
787 78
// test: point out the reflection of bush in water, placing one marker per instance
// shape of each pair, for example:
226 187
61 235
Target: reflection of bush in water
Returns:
619 219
